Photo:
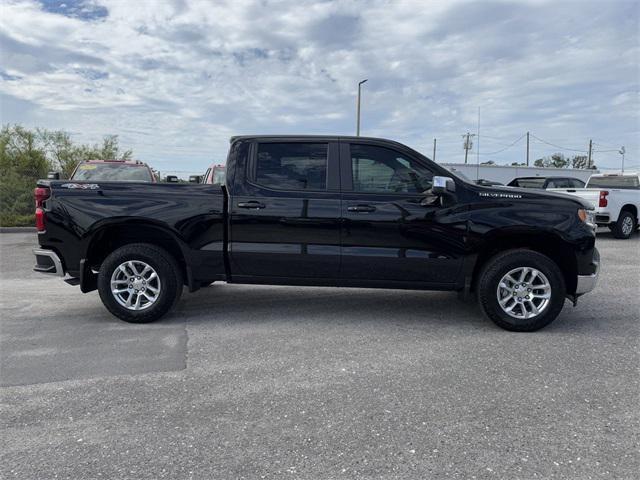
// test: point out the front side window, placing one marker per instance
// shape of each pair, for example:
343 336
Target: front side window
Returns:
383 170
292 166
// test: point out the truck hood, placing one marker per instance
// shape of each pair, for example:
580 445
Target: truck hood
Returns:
529 193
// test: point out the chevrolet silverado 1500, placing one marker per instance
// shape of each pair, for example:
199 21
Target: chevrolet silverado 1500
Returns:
315 210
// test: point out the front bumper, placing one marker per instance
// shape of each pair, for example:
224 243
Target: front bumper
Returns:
47 261
586 283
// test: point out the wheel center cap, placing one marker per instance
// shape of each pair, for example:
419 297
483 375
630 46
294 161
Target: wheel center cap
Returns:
137 284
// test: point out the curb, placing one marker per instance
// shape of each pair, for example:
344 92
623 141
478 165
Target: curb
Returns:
17 230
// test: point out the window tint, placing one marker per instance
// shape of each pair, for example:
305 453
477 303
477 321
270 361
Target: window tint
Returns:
558 183
112 172
382 170
292 166
615 181
529 182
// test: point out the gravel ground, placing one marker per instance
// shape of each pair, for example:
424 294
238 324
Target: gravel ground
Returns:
283 382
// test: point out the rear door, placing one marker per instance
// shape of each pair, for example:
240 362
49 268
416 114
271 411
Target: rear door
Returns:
285 212
392 230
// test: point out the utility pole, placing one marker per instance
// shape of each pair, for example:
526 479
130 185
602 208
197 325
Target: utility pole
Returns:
358 112
527 148
468 144
434 150
622 151
589 157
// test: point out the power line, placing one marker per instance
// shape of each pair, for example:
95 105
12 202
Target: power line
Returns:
558 146
505 148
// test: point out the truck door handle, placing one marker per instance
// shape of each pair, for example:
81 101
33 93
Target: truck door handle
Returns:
252 205
361 208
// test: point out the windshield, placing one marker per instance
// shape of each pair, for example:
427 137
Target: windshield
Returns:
112 172
617 181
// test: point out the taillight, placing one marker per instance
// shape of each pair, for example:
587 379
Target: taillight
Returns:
40 194
40 220
603 202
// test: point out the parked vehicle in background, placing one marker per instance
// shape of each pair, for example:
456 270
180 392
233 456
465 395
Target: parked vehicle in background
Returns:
215 175
616 198
320 210
487 183
546 182
113 171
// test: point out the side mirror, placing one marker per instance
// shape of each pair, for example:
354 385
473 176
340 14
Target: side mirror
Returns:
443 185
195 179
53 176
171 179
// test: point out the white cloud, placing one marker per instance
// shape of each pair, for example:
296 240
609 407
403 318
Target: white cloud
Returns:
175 78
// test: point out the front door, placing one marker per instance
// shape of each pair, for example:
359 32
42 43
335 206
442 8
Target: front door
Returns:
285 220
393 229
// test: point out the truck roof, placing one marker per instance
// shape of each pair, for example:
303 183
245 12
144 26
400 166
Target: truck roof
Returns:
309 137
126 162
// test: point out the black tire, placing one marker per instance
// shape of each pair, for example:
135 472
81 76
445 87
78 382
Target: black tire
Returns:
618 228
166 268
497 267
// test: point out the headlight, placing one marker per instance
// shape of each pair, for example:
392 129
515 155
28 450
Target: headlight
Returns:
587 216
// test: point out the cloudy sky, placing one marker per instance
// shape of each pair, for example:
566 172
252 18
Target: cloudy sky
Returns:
176 78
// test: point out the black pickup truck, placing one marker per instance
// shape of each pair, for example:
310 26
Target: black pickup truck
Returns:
320 210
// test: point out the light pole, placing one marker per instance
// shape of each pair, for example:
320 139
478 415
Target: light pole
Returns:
622 151
358 112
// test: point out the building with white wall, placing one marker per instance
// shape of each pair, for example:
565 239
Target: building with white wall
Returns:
505 173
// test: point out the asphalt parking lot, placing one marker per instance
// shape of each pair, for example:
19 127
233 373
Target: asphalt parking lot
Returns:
281 382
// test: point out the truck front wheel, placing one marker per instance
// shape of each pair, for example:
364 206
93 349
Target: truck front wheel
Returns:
521 290
139 283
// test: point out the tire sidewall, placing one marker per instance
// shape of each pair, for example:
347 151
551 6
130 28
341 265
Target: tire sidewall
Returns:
158 259
618 225
494 272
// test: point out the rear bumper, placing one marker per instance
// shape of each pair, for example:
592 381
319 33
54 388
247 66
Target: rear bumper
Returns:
586 283
47 261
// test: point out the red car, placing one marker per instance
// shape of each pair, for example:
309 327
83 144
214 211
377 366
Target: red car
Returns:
215 174
114 171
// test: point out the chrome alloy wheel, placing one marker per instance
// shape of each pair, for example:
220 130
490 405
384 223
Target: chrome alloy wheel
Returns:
627 226
524 292
135 285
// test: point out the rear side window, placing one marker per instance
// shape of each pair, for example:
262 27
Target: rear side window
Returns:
292 166
528 182
112 172
559 183
575 183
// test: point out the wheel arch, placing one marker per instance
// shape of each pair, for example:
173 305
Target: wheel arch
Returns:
107 238
630 207
545 243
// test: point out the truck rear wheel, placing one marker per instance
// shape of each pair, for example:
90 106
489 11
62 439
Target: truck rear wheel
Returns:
625 225
139 283
521 290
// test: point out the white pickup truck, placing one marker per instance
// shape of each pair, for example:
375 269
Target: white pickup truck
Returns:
616 198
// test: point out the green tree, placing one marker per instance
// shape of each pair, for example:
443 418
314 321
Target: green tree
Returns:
557 160
22 161
27 155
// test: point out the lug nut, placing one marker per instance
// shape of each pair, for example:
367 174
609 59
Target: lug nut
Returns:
527 297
